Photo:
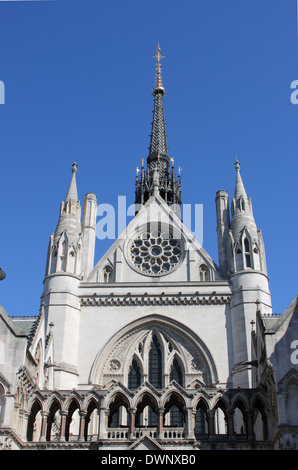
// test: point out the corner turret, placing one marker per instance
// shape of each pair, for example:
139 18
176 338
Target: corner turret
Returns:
64 253
60 294
246 250
248 278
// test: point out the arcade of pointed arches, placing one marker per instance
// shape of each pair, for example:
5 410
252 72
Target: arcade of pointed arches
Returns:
153 377
119 414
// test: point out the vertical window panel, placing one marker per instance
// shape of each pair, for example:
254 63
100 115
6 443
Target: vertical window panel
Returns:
155 364
176 372
134 376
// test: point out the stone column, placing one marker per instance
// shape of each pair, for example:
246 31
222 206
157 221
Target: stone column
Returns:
103 416
193 420
160 423
63 425
230 424
189 429
132 414
24 427
211 424
82 425
249 421
44 419
15 416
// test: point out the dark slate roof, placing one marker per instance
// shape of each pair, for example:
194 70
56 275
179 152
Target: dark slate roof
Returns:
25 324
272 322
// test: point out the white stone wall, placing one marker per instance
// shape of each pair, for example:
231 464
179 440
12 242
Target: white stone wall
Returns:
209 322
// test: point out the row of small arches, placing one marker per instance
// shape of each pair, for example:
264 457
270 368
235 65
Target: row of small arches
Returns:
82 422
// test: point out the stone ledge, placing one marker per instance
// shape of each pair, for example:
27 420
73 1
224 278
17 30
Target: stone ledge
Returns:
145 300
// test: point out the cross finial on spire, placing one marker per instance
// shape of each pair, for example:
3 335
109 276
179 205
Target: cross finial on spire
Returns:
158 77
158 57
237 164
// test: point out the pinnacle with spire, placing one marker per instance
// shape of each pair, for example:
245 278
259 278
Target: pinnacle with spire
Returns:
70 209
239 187
242 213
159 164
72 190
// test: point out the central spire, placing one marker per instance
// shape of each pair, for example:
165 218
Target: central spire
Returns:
159 177
158 143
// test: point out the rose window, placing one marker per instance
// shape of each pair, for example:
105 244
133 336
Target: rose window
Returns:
155 255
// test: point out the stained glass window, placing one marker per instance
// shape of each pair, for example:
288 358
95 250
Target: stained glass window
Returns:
176 372
176 416
134 375
155 363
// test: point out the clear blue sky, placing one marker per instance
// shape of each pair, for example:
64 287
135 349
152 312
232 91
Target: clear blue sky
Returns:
78 76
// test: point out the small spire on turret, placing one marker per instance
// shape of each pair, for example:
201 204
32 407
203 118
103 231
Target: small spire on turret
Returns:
239 186
72 190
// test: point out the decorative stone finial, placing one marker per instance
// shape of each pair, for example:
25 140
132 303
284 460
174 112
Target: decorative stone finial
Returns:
237 165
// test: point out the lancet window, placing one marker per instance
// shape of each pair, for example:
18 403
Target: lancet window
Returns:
155 363
176 372
155 359
247 255
134 375
108 274
203 273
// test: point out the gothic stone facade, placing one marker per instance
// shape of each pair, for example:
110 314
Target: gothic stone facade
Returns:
155 346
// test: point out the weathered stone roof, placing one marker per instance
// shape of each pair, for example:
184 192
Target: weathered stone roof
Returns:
270 320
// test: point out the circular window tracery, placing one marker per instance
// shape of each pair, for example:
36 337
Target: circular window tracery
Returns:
155 253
